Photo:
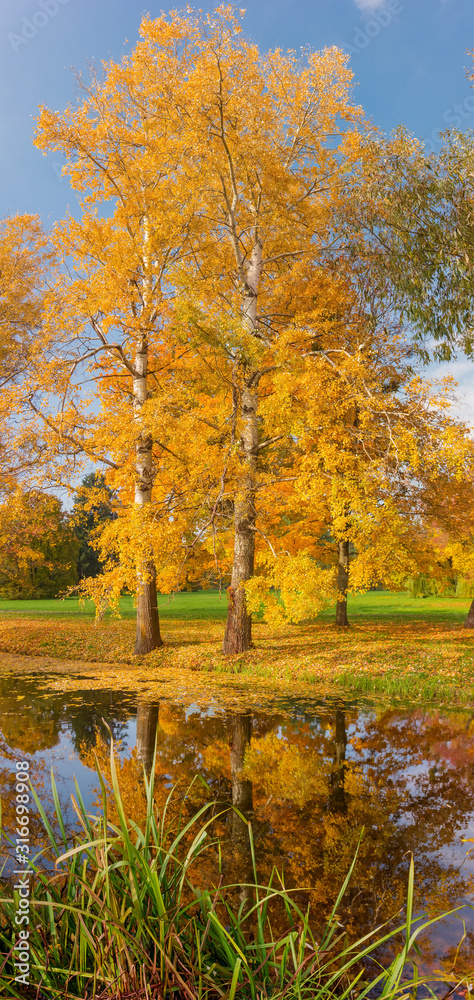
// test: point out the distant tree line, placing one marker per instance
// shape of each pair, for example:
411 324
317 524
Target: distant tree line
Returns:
44 550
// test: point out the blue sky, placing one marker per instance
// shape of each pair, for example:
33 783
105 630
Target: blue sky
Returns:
409 59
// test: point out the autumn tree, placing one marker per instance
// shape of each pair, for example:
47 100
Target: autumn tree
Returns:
410 216
215 167
26 270
269 138
138 212
377 461
38 550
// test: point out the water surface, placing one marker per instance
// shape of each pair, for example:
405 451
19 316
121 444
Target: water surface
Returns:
309 774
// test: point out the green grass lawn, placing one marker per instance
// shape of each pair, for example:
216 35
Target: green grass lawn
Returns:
384 605
209 604
398 646
199 605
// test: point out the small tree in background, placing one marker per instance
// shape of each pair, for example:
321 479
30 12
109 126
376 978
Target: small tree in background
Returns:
38 549
92 508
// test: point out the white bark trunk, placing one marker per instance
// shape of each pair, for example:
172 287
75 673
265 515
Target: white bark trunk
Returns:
143 482
253 274
238 633
148 629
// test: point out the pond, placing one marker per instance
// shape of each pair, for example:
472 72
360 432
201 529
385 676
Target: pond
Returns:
310 774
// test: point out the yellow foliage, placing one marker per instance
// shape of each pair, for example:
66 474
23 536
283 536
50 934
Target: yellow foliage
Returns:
303 588
287 772
237 377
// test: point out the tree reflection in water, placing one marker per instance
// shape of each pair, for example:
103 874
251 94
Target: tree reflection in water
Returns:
337 795
147 725
240 731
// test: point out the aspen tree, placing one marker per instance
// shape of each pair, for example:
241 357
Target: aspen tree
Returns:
118 254
217 167
268 139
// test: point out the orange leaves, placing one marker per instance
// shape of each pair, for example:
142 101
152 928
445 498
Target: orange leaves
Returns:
188 154
24 255
377 458
286 771
25 260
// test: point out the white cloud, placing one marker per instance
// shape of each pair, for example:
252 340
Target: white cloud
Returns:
462 371
369 5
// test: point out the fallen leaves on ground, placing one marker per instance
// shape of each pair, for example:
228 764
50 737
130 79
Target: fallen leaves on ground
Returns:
414 658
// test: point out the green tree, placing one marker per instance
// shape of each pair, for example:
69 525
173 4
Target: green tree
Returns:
92 508
411 223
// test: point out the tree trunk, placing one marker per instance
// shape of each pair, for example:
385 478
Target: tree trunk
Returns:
342 582
148 623
147 724
148 627
238 632
469 623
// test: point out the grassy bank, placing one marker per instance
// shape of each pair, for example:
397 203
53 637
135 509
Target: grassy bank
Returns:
397 646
